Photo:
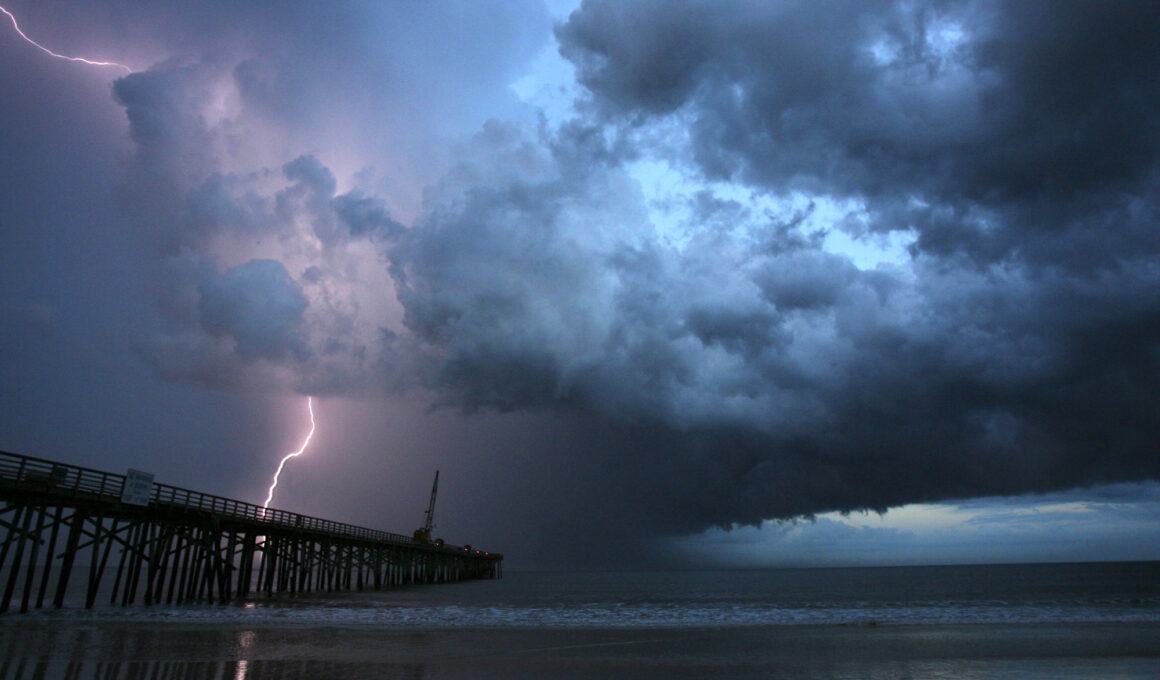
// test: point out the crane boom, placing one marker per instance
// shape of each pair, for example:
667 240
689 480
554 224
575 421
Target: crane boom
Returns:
423 533
431 506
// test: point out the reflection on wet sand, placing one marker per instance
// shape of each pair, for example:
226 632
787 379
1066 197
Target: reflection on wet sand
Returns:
96 652
24 668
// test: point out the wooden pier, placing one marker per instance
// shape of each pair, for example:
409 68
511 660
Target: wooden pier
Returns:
161 544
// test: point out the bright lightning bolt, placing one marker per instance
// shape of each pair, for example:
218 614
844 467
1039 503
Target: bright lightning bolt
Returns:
270 495
82 60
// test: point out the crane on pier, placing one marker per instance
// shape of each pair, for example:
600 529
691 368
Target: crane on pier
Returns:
423 533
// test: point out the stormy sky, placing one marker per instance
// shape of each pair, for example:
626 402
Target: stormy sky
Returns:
666 283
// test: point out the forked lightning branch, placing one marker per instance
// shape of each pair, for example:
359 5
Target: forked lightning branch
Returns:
66 57
295 454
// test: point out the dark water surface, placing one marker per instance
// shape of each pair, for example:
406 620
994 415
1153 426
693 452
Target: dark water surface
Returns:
1097 620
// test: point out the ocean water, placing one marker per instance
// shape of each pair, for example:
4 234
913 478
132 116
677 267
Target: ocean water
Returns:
980 594
1097 620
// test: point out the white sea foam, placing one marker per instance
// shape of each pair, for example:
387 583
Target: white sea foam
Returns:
617 615
966 595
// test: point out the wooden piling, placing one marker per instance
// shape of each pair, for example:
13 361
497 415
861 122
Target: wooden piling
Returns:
186 547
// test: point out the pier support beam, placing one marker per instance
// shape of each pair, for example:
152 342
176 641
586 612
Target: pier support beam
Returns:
184 546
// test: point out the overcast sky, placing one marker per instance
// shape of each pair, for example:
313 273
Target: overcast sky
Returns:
650 282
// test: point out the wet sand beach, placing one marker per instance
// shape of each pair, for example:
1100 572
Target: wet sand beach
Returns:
47 649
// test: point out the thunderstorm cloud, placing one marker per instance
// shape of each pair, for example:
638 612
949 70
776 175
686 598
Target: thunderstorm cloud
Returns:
669 281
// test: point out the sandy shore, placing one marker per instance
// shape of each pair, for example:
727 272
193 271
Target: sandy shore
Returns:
45 649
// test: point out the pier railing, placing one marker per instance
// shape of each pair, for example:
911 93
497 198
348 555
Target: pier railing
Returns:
60 478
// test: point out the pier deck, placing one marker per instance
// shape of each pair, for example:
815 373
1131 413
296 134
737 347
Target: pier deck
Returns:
171 545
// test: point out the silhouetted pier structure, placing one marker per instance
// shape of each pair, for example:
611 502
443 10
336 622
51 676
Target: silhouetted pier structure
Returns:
172 545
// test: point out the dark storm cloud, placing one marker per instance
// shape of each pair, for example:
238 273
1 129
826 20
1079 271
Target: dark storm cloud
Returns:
259 306
228 135
352 215
366 216
768 382
996 129
198 200
984 530
756 375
